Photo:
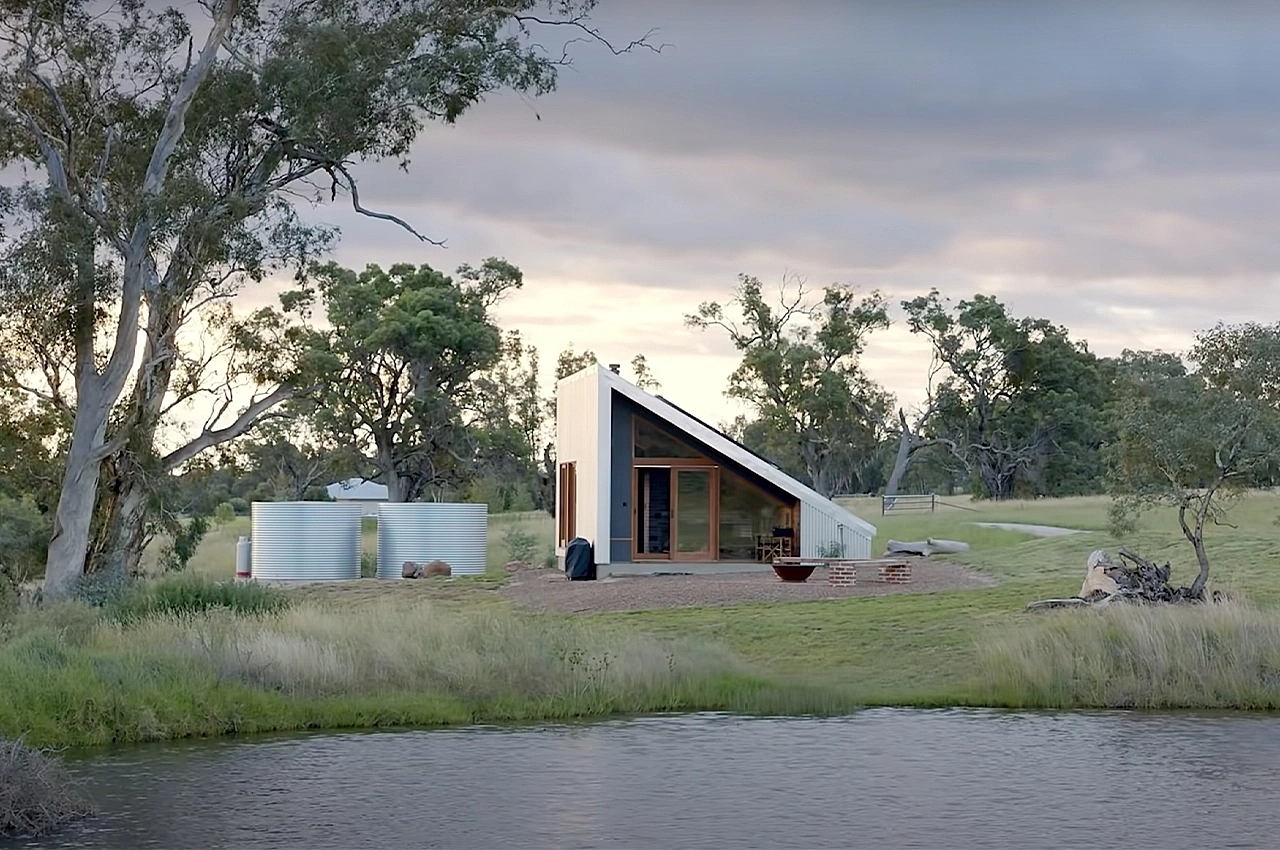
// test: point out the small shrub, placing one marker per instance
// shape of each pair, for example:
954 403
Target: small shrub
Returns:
97 589
549 560
36 795
186 595
368 564
223 514
834 549
521 545
24 541
239 505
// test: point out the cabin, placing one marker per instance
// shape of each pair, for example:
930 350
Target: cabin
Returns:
654 488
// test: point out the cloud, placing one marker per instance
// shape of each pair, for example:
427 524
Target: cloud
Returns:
1112 167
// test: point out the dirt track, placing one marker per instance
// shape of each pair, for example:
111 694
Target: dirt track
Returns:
548 590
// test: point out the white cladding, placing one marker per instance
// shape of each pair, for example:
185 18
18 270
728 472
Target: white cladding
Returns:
583 425
825 535
583 435
305 541
453 532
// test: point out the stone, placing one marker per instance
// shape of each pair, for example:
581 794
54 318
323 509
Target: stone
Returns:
410 570
437 568
1095 576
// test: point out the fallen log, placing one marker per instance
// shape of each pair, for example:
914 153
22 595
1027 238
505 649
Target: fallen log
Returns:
925 548
1131 579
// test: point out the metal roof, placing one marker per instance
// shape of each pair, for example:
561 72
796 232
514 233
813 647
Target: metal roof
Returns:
358 489
696 428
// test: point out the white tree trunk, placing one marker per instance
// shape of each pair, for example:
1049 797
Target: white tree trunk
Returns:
71 520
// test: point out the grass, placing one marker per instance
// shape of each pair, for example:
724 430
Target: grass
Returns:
70 675
445 651
1206 656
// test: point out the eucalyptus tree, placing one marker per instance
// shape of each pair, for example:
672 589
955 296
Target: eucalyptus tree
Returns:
1193 440
171 146
800 374
1018 402
400 359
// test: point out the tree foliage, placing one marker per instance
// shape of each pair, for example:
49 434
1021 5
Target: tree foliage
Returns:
398 366
1018 406
172 150
820 415
1194 439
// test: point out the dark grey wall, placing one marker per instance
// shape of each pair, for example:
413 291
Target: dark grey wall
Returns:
620 481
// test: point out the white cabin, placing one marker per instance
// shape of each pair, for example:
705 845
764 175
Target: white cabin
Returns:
649 485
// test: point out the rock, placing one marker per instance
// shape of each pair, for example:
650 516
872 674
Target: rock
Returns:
1096 579
437 568
517 566
410 570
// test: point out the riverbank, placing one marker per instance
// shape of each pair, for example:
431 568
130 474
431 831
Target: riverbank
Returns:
457 651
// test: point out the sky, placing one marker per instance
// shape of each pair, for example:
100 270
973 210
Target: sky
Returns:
1112 167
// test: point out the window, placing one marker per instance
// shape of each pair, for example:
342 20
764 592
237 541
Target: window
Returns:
567 495
746 513
654 442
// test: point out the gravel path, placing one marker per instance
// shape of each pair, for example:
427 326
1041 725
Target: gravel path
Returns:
548 590
1027 528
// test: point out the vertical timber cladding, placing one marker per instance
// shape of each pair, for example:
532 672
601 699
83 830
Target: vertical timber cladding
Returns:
620 480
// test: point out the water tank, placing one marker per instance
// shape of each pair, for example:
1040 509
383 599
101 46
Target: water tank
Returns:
306 541
455 533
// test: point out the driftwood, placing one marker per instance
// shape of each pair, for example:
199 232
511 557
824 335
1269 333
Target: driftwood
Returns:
1132 579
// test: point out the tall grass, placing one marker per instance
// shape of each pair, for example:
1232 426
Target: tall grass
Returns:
1223 655
167 675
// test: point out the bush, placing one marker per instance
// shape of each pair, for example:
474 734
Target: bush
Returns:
239 505
224 513
185 595
368 564
521 545
36 796
24 541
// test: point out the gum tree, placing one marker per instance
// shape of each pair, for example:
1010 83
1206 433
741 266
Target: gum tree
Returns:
800 374
1193 440
166 148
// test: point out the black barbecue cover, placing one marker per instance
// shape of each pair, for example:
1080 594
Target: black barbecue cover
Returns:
579 561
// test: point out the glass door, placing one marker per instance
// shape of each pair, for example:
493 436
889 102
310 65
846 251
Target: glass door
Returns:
653 511
695 514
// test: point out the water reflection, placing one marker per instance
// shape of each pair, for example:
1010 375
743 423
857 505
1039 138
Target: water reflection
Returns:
882 778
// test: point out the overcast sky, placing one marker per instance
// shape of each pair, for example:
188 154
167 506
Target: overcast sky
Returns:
1114 167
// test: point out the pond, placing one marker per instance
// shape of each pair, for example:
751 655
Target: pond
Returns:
880 778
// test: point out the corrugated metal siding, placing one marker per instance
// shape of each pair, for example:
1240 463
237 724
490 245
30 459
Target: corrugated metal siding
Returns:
452 532
305 541
819 530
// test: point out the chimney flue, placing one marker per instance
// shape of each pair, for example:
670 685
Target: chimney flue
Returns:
614 367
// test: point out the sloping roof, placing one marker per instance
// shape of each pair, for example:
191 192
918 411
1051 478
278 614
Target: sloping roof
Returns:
358 489
701 431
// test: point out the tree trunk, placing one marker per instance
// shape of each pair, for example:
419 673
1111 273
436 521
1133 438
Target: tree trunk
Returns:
74 514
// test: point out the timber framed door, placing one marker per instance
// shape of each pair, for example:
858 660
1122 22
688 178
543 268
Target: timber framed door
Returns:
676 514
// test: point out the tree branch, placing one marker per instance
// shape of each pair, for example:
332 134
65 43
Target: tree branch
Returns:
243 423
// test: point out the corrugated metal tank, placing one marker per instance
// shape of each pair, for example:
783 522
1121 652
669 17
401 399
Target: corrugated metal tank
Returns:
819 531
305 541
455 533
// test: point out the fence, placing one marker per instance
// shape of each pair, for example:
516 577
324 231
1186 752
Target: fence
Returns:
928 502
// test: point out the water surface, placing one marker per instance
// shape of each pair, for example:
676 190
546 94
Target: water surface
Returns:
881 778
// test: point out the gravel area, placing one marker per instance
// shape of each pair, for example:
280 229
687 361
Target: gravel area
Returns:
549 590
